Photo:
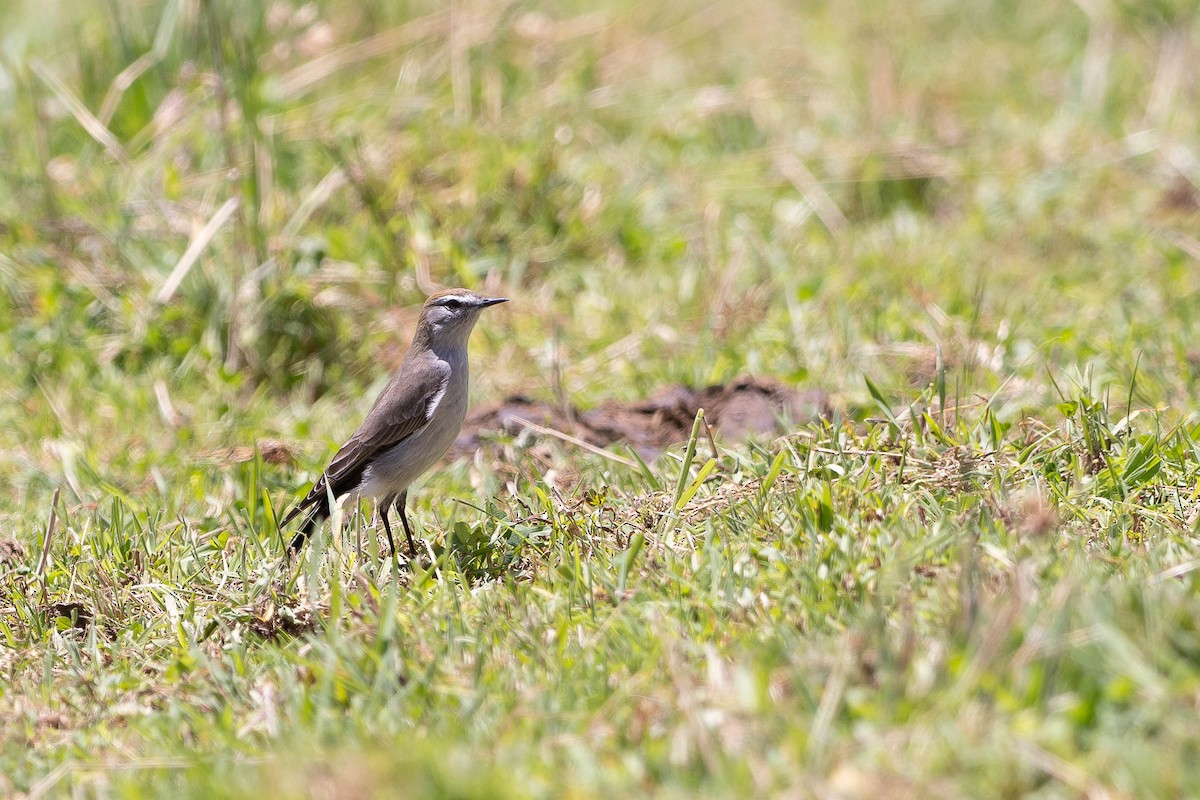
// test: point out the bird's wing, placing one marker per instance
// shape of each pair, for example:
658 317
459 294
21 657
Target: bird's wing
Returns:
401 410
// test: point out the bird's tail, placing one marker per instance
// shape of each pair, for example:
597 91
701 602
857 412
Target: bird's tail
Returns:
318 512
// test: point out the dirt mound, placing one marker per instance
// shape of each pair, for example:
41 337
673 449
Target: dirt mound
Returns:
272 451
744 407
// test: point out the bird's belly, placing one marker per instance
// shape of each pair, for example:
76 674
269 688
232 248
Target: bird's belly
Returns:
393 470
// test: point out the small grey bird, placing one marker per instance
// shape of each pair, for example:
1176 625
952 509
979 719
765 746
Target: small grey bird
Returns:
413 422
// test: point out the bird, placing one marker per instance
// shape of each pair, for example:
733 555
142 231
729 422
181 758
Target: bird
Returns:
412 424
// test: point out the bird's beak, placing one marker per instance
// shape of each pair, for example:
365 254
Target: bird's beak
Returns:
491 301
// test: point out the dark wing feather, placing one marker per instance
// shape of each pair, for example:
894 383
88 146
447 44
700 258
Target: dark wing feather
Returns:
402 409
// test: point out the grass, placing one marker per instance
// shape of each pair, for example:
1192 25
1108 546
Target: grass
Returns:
973 224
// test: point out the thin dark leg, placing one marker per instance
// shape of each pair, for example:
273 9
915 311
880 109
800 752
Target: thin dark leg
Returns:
384 506
400 504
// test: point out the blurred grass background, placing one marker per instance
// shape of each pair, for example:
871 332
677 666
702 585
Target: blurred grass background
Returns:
217 219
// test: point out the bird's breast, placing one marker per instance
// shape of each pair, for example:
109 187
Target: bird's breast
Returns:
392 471
448 416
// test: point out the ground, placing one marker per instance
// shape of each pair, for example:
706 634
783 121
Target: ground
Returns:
972 230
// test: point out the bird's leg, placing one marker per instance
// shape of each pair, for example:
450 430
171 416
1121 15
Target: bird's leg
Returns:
384 506
401 502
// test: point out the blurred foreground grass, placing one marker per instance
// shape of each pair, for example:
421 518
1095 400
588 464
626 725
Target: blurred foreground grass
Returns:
975 224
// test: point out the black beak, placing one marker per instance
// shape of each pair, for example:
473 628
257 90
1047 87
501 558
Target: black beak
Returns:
491 301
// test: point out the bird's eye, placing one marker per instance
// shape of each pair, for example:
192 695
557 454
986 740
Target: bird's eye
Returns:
453 304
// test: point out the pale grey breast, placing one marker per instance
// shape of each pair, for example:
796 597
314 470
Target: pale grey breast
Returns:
393 470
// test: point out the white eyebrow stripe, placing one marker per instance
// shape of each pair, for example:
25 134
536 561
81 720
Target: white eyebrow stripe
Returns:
441 301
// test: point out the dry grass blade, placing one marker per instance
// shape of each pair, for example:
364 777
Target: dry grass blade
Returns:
90 123
194 249
333 180
806 183
566 437
1177 571
128 76
44 558
1059 769
304 77
50 780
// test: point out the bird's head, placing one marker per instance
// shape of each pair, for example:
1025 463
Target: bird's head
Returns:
450 315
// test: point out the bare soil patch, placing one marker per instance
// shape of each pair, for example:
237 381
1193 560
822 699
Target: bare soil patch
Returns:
745 407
